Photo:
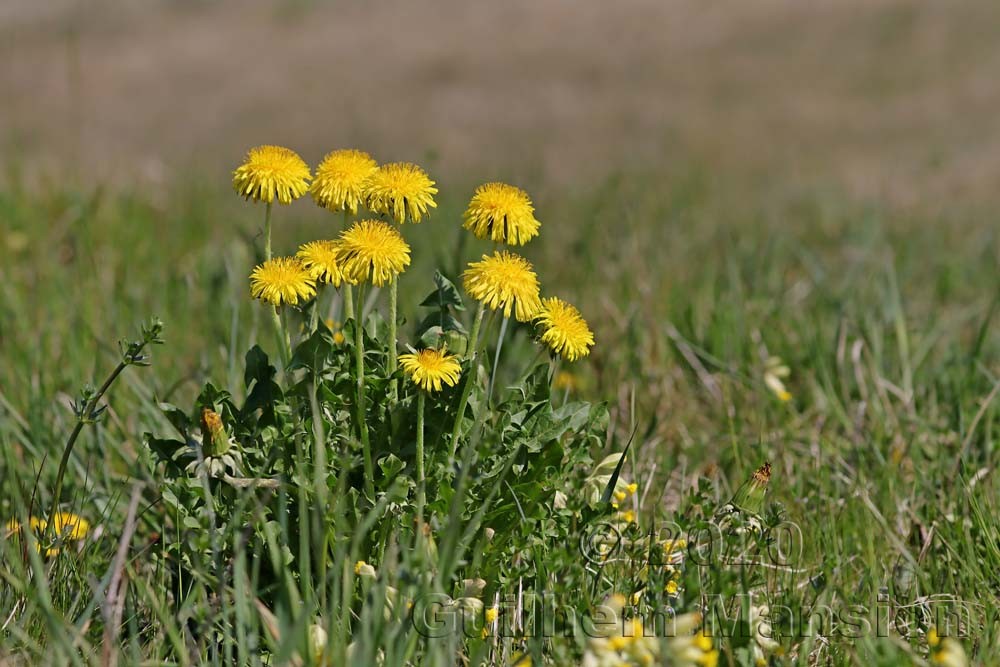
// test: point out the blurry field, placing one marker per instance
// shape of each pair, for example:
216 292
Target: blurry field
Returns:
718 184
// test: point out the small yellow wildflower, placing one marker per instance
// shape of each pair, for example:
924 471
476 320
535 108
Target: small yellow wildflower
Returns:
501 213
565 381
340 180
282 280
671 588
269 172
632 488
372 250
491 614
430 369
564 330
401 191
506 282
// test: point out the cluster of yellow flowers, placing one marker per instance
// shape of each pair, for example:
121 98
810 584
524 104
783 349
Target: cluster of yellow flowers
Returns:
65 526
372 251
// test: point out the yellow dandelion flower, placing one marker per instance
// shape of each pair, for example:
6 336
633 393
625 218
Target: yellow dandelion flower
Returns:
269 172
372 250
565 381
340 180
491 614
282 280
430 369
70 526
671 588
501 213
401 191
564 330
320 257
504 281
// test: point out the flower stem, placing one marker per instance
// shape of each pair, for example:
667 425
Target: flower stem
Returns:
82 419
421 491
469 379
359 351
393 286
267 232
280 336
496 358
347 290
314 317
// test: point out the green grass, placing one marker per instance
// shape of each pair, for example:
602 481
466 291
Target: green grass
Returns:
885 456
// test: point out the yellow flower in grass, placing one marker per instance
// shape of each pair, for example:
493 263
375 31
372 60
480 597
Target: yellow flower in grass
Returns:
564 330
320 257
269 172
372 250
282 280
504 281
70 526
501 213
401 191
430 369
946 650
340 180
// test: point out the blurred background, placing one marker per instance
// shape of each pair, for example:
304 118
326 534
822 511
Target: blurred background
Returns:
887 99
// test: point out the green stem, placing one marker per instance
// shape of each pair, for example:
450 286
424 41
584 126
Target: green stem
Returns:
280 335
496 358
347 290
84 418
393 286
469 379
348 293
314 317
267 232
359 351
421 491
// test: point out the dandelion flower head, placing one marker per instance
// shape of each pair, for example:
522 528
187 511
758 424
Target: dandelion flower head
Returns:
320 257
501 213
340 180
282 280
430 369
400 190
504 281
564 330
270 172
372 250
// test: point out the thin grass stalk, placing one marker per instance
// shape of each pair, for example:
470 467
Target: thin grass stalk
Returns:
463 400
359 351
